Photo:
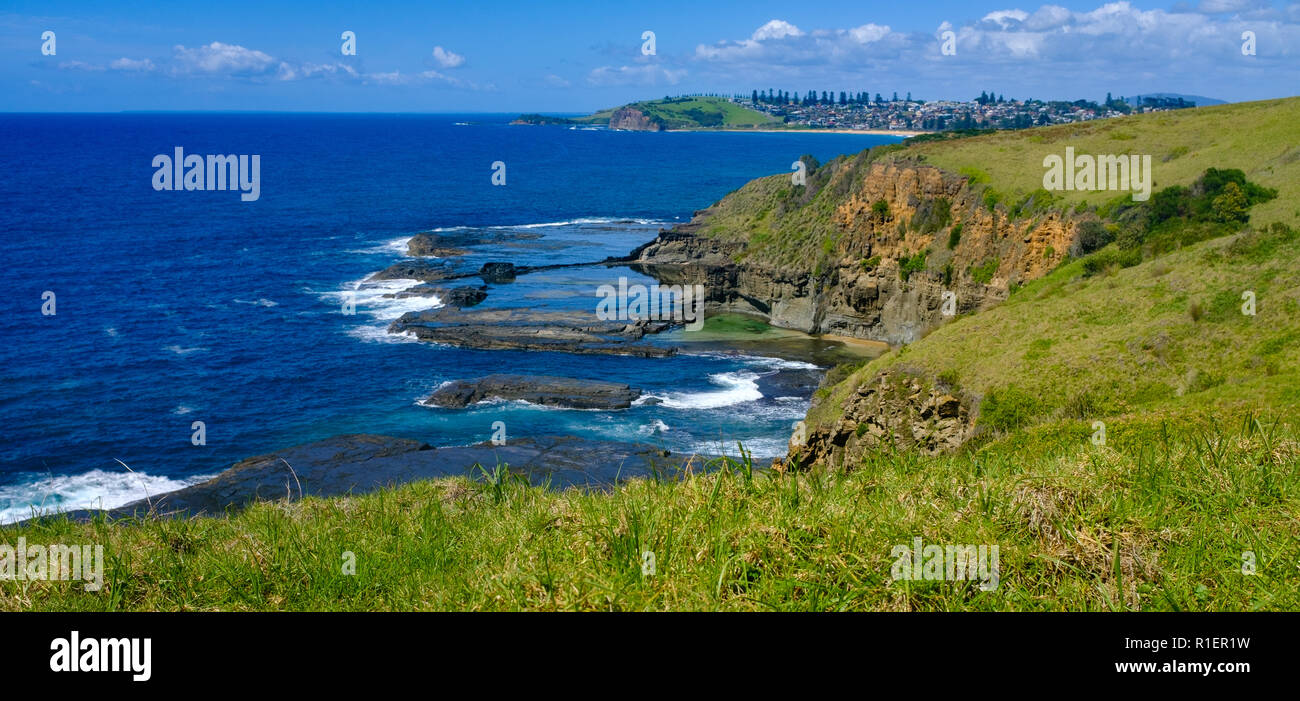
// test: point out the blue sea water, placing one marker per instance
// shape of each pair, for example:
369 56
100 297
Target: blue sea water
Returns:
176 307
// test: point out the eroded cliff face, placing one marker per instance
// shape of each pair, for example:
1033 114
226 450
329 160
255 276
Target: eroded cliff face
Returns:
879 260
898 409
632 119
858 284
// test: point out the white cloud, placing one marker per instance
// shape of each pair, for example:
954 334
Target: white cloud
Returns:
132 65
1032 51
219 58
80 66
1006 18
645 75
782 43
287 71
447 59
1214 7
421 78
776 29
868 33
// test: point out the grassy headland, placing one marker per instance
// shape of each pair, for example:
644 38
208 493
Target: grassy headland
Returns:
1199 475
676 113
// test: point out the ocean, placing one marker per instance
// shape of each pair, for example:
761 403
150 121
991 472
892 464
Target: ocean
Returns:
176 307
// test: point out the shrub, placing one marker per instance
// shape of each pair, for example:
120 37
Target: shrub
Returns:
1110 257
932 215
880 208
1230 205
984 272
1091 236
954 236
911 264
1007 409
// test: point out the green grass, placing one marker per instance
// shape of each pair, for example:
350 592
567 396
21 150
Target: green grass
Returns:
1257 137
1163 336
1157 520
703 113
781 224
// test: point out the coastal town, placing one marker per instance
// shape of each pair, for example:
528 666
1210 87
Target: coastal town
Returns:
863 111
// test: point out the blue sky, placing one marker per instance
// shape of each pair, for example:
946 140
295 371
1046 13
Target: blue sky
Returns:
563 56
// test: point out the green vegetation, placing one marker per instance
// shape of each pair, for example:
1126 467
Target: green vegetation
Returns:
1146 332
954 236
1256 137
1143 339
676 113
984 272
1156 520
702 113
911 264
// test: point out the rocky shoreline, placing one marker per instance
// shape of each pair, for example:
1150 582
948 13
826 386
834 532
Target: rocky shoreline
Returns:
361 463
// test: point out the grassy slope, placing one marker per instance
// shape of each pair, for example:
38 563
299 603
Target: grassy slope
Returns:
788 225
1166 336
1157 527
1260 138
677 114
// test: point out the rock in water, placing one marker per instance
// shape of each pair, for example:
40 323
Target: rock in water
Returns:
427 245
546 390
498 272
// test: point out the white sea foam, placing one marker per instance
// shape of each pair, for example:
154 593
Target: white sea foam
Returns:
544 225
371 299
738 387
260 302
181 350
97 489
379 334
653 428
767 447
763 362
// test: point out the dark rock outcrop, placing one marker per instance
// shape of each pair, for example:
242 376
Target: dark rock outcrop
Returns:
429 245
499 273
546 390
461 297
898 408
356 464
531 329
423 271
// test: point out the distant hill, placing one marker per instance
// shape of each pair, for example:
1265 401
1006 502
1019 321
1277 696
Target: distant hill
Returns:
665 114
1200 100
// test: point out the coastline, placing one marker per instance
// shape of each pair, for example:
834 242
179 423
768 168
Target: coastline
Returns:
864 132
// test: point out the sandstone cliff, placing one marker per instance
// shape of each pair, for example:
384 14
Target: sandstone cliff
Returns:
864 249
633 119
